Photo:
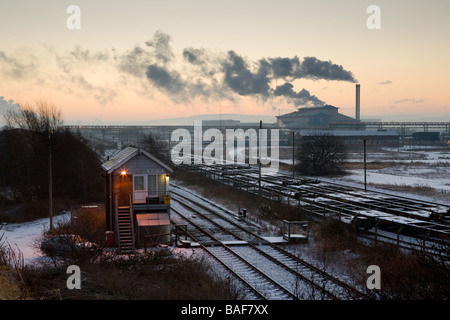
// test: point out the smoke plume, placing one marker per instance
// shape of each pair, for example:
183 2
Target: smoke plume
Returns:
246 78
153 66
301 98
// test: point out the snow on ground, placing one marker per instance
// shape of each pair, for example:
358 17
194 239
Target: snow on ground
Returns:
415 168
378 178
407 168
23 236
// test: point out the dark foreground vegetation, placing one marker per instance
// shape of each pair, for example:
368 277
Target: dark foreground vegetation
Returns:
154 275
34 146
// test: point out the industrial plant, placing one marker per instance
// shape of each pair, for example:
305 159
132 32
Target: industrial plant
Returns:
306 121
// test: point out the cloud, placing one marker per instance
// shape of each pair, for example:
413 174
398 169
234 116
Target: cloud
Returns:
5 107
194 56
284 67
385 82
247 78
314 68
169 81
161 45
7 104
240 79
301 98
152 66
134 61
102 94
72 60
254 78
85 72
12 68
409 100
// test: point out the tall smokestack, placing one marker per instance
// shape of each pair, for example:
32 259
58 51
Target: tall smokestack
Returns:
358 116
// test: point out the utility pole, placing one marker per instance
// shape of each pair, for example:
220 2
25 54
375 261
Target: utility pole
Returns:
293 154
259 142
50 180
365 166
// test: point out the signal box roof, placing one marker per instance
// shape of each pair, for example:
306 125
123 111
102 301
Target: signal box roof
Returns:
127 154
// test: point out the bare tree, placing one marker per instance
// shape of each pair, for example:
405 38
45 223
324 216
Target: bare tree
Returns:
42 119
156 145
322 154
35 146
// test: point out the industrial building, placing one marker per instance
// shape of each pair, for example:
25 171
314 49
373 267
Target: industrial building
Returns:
311 122
356 137
137 199
320 117
312 118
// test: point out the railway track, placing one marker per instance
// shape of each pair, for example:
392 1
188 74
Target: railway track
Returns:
407 223
261 286
298 277
421 221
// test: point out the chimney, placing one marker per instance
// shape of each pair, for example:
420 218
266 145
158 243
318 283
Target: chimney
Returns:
358 117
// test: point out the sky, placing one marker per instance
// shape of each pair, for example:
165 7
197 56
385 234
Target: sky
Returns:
133 61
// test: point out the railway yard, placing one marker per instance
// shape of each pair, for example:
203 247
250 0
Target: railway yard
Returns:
411 221
263 232
267 270
270 268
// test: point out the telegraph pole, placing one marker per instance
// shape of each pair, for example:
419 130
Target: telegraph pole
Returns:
365 166
293 154
259 180
50 180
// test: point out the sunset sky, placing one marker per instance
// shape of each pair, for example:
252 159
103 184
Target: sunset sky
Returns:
146 60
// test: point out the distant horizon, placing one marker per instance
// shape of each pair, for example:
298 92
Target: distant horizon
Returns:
243 118
139 61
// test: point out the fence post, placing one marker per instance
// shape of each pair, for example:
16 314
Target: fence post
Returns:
398 236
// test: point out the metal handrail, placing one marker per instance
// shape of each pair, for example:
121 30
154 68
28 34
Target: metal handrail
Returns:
132 217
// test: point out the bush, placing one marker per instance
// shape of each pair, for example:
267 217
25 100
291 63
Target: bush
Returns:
404 275
12 272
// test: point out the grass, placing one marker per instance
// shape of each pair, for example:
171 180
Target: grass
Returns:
142 277
9 288
12 272
404 275
148 277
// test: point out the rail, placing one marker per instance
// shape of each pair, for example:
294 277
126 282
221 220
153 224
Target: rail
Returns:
250 283
319 276
243 177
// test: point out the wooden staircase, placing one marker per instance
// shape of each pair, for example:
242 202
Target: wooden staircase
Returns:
125 230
